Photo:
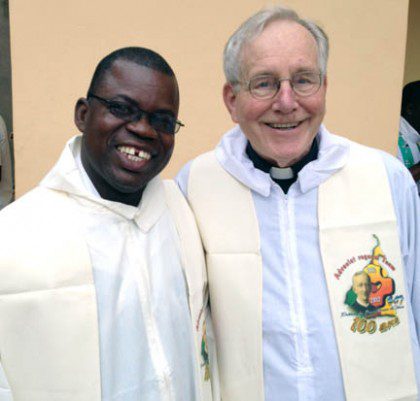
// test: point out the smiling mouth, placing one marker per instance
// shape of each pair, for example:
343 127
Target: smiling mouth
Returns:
134 154
285 126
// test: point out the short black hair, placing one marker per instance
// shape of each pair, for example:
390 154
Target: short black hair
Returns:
139 55
410 96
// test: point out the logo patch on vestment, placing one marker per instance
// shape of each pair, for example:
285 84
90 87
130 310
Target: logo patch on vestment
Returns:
372 298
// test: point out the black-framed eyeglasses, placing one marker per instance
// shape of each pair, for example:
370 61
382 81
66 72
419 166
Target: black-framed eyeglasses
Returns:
303 84
161 122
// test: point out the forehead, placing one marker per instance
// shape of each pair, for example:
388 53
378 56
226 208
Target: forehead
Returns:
283 47
361 278
146 86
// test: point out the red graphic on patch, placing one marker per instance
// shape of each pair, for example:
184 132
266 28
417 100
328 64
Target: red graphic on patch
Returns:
382 285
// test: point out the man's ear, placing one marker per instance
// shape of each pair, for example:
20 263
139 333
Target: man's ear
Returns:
230 99
81 111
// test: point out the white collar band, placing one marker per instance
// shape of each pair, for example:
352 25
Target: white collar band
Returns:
278 173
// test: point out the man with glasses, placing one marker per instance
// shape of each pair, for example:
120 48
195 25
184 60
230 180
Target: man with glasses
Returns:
288 213
103 290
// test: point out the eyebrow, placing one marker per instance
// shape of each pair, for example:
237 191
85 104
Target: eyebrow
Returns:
124 97
303 70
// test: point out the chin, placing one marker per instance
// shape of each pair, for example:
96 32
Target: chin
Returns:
289 158
129 188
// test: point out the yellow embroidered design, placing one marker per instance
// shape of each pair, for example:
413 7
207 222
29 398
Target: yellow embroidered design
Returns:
382 286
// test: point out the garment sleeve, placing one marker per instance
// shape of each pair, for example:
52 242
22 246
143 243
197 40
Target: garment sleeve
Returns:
411 223
182 178
5 391
407 207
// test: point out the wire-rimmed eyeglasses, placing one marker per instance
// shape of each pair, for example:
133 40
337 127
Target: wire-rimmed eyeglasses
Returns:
266 86
161 122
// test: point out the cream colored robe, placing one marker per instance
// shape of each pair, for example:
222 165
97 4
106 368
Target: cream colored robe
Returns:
49 346
354 203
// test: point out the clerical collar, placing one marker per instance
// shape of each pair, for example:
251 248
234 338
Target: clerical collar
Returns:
284 177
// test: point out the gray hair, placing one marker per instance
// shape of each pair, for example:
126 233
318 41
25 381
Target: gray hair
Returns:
254 25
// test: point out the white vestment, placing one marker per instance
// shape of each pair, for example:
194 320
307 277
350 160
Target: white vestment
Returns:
300 359
137 312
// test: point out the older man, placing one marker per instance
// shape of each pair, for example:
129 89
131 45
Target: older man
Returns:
288 213
103 291
362 287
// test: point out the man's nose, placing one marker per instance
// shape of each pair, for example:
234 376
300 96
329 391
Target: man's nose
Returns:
285 99
141 127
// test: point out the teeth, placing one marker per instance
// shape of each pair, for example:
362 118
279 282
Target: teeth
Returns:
284 126
144 155
126 149
131 153
134 158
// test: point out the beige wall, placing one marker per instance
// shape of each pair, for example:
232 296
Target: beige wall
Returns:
56 45
412 57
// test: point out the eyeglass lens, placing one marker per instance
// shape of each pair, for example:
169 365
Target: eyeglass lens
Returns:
266 86
159 121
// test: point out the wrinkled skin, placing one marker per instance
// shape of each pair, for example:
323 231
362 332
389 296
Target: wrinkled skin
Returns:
282 49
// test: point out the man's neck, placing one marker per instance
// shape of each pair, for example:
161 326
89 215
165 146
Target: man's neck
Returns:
363 303
108 192
289 174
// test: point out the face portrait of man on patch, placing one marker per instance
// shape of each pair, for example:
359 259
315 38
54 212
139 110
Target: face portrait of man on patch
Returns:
362 287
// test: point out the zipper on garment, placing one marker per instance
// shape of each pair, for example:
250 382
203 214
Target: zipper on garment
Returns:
295 296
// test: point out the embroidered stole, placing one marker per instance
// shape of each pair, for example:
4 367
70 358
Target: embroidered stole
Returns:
194 269
233 261
362 260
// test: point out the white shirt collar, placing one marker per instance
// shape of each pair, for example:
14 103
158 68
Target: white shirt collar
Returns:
69 175
333 154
